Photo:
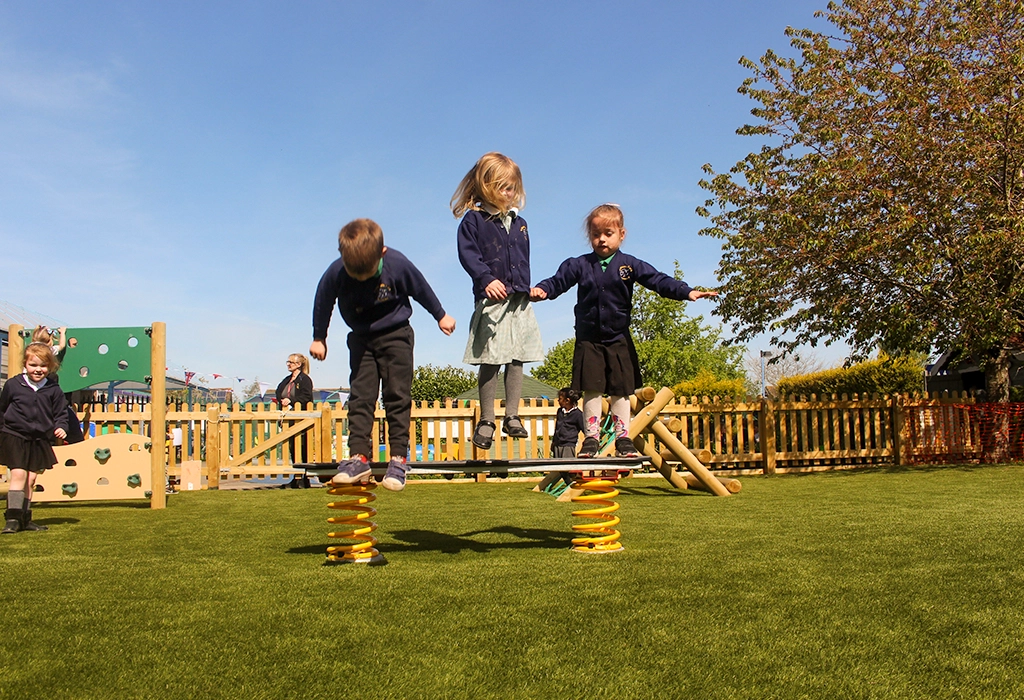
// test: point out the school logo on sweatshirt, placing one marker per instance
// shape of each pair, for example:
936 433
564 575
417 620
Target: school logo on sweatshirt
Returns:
383 293
625 273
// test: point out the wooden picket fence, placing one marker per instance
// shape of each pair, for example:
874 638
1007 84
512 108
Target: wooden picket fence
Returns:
805 433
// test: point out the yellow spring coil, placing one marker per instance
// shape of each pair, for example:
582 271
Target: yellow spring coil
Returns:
362 551
600 537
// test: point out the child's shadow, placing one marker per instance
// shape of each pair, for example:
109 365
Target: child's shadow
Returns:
444 543
432 541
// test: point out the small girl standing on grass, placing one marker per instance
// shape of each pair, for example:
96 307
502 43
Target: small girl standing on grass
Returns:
33 412
494 248
604 360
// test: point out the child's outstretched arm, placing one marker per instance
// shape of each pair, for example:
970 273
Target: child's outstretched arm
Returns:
564 279
446 324
696 294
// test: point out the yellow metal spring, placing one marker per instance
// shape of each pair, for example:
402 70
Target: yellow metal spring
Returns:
600 537
362 551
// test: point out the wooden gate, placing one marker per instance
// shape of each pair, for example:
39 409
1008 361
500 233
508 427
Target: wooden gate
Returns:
252 443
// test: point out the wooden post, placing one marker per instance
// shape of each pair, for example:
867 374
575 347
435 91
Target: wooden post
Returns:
158 414
213 444
15 350
661 464
326 434
686 457
767 436
898 426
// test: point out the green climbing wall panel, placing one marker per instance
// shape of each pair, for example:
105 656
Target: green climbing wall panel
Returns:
99 355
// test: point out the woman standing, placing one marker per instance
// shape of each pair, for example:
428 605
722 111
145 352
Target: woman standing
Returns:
293 393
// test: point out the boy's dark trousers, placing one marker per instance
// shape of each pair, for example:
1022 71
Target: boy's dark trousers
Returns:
380 360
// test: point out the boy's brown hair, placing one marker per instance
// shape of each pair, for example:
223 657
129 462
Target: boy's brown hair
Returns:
361 244
43 352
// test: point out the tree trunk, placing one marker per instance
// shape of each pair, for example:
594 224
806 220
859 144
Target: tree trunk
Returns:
997 390
997 375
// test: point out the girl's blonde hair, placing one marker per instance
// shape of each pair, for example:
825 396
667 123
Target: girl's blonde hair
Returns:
302 360
481 184
606 212
42 352
41 335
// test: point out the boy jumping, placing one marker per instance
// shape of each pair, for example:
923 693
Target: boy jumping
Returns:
372 285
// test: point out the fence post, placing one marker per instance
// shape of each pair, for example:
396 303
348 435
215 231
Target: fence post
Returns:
897 430
213 447
326 438
767 436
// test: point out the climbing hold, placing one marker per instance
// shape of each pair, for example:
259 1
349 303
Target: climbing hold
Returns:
102 454
70 490
134 480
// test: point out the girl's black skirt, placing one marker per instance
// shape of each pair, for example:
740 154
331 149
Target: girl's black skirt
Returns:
609 368
34 455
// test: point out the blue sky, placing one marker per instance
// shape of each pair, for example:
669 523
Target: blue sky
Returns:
192 162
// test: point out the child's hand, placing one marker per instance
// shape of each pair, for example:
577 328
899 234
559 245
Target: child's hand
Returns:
496 290
537 294
60 433
697 294
318 349
447 324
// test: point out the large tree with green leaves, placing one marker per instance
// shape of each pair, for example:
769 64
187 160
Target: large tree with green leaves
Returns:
885 206
671 346
432 383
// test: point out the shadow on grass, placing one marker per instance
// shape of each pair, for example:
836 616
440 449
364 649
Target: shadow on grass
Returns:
445 543
659 491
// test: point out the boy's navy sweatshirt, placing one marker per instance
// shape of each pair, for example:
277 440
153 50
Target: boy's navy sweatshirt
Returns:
488 252
30 414
604 298
378 304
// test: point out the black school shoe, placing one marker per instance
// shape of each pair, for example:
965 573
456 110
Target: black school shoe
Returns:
513 427
589 449
483 436
624 447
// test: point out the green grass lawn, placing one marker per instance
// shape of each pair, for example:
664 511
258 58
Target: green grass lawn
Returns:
873 584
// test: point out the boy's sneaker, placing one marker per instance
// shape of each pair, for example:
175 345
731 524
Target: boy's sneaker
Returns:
624 447
589 449
513 427
394 477
352 470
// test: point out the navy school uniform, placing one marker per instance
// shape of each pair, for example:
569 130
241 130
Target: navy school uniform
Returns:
28 418
380 343
604 307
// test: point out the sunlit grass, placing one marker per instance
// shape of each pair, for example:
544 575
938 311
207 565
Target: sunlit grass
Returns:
856 584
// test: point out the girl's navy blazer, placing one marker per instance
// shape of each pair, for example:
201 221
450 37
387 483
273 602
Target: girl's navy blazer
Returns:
604 298
488 253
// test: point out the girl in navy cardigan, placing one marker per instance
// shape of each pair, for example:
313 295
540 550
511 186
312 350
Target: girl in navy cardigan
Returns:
604 360
32 413
494 248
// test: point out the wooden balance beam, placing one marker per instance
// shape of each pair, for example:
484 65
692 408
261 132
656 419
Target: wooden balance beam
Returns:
647 419
491 466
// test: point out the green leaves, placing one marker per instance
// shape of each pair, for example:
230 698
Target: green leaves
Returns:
884 205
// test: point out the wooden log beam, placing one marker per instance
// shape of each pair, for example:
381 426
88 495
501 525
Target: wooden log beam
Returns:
686 457
704 456
732 485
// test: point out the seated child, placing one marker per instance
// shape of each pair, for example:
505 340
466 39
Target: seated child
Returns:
371 284
604 360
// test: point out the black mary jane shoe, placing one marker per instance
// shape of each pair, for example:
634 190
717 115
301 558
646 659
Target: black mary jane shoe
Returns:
483 436
513 427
